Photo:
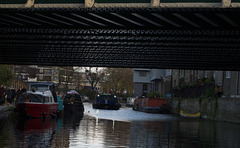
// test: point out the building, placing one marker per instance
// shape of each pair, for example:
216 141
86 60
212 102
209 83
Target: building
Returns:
146 80
164 80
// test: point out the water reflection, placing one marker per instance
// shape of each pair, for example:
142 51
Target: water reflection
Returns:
35 132
76 130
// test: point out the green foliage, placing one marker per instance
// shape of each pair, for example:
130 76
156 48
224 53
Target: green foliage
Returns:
119 81
6 74
209 80
90 93
153 94
210 93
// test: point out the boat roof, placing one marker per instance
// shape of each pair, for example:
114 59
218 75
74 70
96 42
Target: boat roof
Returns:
43 93
41 83
106 94
72 92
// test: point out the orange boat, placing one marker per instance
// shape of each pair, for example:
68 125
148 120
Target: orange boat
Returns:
151 105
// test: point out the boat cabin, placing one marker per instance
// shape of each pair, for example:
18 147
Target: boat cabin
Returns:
36 97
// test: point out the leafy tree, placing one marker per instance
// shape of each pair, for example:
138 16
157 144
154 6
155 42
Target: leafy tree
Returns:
94 76
78 76
6 74
118 80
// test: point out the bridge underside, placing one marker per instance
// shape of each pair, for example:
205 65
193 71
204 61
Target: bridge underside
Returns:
176 38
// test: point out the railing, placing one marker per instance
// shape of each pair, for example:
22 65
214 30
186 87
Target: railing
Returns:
119 3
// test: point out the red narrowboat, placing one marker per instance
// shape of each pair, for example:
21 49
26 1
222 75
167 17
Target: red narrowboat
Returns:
37 104
151 105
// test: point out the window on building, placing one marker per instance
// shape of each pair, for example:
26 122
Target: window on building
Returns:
169 72
49 71
205 75
55 78
41 70
41 77
143 73
228 74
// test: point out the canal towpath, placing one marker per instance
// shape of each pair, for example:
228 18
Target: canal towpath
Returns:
5 110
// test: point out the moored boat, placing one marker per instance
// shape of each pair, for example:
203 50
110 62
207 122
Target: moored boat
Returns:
72 102
37 104
151 105
106 101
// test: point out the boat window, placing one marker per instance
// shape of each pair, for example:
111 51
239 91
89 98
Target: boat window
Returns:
31 98
107 97
46 99
37 98
77 98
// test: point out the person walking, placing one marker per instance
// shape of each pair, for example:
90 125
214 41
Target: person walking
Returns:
8 95
2 93
13 94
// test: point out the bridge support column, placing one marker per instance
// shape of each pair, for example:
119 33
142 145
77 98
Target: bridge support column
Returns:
226 3
89 3
155 3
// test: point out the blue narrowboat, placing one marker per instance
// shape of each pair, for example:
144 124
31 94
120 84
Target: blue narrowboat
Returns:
106 101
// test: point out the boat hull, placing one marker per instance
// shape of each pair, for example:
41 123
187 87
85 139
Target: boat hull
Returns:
73 108
37 110
106 106
151 105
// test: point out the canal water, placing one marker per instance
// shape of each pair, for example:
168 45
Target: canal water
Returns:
122 128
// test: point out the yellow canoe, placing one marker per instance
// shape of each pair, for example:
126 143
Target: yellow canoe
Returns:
184 114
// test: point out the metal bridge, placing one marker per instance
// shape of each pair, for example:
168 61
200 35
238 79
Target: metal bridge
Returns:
173 34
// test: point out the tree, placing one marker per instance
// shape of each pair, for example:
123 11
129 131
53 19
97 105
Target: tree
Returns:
6 74
65 76
94 76
118 80
78 76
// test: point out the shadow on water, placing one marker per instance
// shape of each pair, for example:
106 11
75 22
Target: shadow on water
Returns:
72 119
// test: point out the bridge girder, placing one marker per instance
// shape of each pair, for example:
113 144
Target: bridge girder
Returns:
177 38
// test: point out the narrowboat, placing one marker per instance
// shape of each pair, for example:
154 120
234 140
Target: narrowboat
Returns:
151 105
106 101
37 104
72 102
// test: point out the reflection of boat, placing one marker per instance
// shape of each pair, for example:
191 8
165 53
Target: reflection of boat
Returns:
152 105
72 119
106 101
184 114
40 102
72 102
37 124
36 132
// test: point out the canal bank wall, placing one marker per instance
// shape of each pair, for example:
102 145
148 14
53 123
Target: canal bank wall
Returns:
222 109
5 110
